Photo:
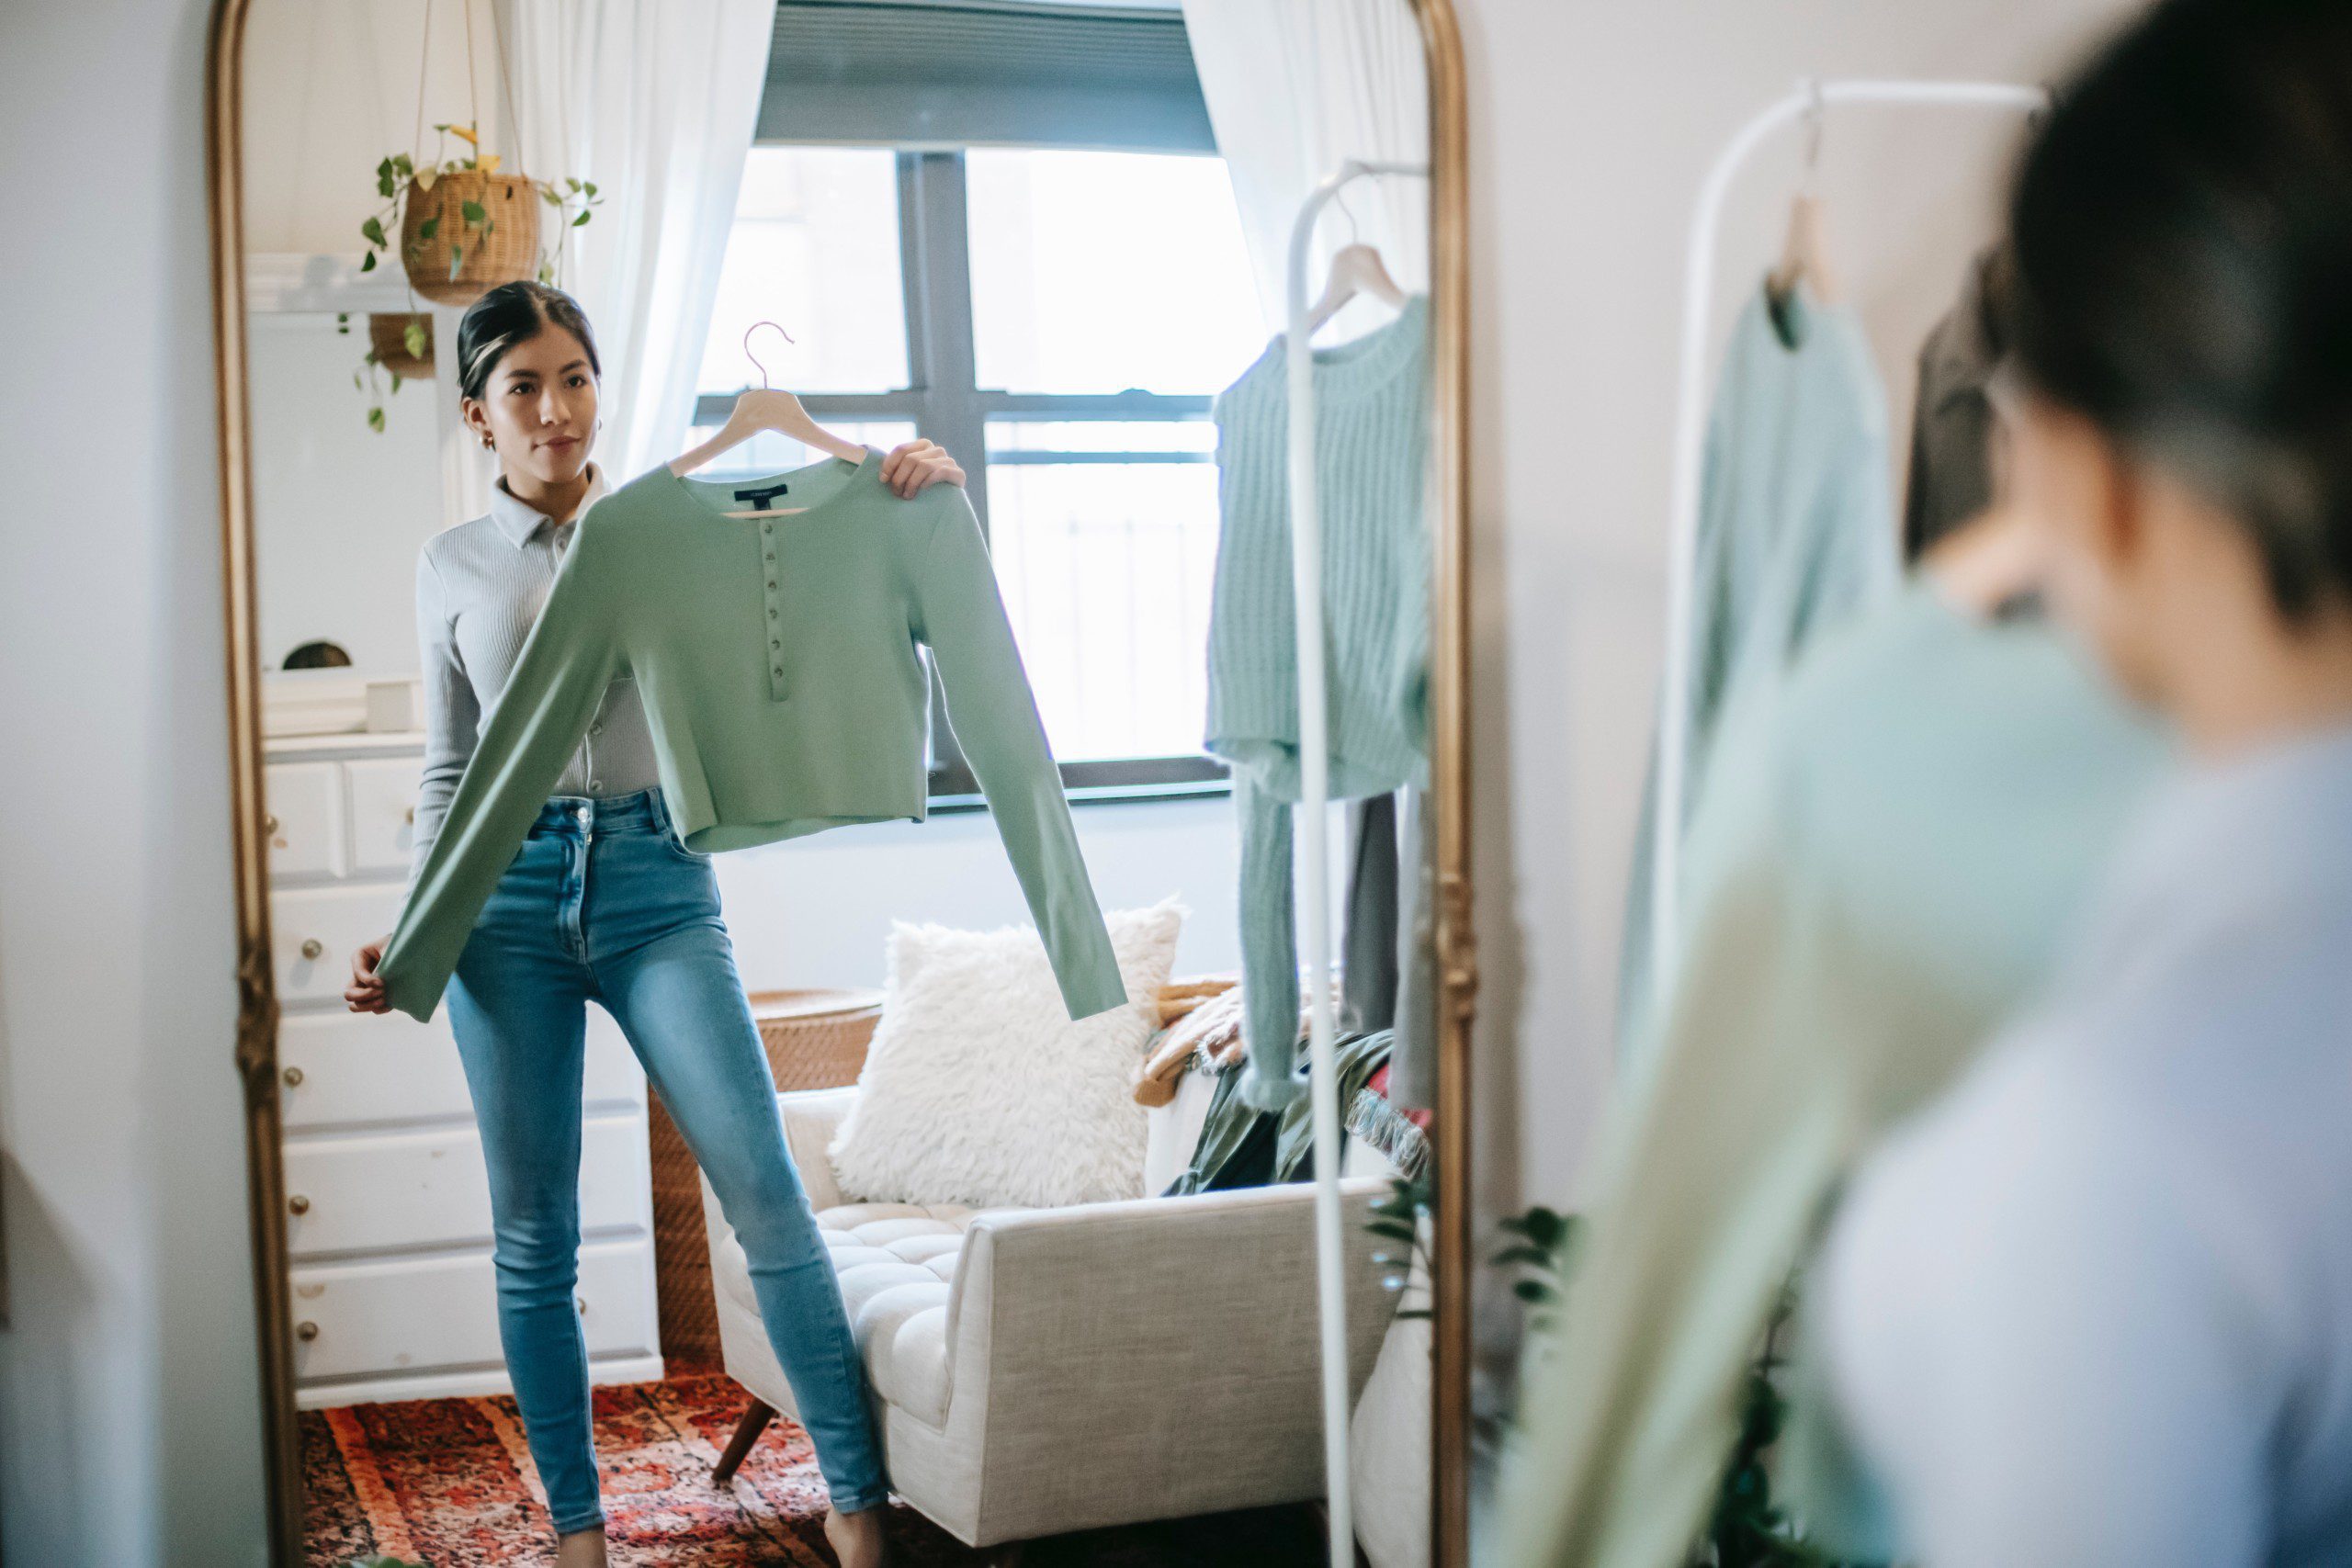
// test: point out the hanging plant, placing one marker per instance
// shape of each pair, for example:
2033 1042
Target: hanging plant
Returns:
403 342
369 377
464 226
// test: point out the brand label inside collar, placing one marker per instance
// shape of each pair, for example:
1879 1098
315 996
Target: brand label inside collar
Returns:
762 496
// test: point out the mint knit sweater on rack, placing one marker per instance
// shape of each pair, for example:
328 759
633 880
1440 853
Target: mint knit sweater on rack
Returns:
1372 439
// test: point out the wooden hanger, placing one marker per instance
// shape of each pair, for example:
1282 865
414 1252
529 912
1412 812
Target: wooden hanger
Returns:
767 408
1804 257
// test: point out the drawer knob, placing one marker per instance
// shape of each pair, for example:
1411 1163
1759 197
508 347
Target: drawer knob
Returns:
269 823
306 1331
293 1077
312 947
297 1205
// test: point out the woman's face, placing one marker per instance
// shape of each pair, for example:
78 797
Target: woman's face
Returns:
539 407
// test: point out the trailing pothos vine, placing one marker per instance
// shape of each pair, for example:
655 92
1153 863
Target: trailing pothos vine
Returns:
400 178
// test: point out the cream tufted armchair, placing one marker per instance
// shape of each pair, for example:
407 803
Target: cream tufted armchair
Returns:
1041 1370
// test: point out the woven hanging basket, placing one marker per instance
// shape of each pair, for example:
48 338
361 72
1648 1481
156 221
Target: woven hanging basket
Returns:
502 248
388 335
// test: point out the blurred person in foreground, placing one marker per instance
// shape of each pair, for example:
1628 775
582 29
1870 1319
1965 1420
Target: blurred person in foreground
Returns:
1901 835
2093 1308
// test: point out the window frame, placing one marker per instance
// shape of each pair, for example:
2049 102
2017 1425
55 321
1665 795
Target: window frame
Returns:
944 402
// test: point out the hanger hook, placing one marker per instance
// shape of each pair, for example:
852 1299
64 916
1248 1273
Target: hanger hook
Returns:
1340 199
754 359
1813 117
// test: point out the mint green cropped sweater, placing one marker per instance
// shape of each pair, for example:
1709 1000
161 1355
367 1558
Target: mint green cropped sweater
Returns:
779 663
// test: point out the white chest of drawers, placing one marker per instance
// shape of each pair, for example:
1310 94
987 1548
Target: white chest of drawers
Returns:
388 1225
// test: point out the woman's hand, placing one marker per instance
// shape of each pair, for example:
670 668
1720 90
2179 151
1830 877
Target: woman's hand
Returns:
366 992
915 466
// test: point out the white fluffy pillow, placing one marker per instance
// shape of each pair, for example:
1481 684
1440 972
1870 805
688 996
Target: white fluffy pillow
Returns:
978 1088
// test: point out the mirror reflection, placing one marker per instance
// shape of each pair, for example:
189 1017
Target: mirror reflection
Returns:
792 834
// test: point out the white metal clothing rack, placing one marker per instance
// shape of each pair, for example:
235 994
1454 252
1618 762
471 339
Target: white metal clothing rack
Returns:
1314 836
1808 100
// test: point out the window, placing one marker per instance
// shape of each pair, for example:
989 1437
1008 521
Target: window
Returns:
1059 319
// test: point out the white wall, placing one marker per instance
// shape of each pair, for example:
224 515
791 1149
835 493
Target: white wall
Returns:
130 1428
1591 124
340 511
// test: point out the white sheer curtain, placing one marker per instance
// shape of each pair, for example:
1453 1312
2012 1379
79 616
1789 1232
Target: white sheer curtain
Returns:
655 101
1296 86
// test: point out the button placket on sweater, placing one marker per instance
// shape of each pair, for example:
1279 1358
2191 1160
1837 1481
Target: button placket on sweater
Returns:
773 602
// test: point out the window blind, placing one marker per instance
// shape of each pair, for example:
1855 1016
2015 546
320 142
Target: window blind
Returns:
982 73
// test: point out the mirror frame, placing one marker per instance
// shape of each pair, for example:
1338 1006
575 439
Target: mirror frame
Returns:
1456 953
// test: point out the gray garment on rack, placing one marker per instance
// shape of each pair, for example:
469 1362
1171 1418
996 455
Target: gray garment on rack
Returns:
1368 943
1389 948
1951 422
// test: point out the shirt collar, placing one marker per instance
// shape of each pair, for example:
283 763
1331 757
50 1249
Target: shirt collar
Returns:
519 522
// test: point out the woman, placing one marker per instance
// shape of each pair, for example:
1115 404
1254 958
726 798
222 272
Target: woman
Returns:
2096 1306
621 914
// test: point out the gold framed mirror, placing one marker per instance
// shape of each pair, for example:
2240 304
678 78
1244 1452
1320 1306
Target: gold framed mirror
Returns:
262 1066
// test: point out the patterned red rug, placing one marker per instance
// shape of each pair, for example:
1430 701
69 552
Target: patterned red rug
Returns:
448 1483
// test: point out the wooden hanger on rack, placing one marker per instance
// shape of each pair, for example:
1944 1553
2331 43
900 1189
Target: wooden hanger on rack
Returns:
1804 257
1355 269
767 408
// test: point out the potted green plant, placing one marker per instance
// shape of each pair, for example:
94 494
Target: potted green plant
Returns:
465 226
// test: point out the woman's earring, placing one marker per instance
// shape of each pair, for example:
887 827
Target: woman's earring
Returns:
489 443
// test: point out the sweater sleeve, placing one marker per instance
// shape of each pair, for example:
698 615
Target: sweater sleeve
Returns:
1710 1175
566 662
995 720
1269 946
452 711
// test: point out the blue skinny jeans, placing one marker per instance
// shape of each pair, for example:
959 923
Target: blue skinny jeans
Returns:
604 903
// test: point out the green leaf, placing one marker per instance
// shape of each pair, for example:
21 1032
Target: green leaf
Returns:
546 272
1413 1314
579 220
589 186
368 357
356 385
456 260
413 338
429 228
572 183
1533 1255
403 162
1534 1291
375 420
1391 1229
472 211
396 383
488 227
367 261
374 230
